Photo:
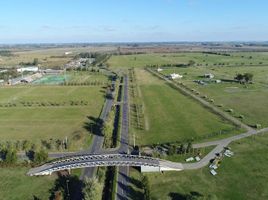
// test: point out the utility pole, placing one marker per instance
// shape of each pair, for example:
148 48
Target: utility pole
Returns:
68 192
134 140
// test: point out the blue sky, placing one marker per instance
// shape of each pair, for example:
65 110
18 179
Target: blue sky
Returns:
38 21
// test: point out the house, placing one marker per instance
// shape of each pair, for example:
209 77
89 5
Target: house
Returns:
209 75
175 76
159 69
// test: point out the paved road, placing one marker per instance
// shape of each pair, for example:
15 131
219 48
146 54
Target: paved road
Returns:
97 142
220 145
123 172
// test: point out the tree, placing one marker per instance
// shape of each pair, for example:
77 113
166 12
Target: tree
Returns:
191 63
40 156
248 77
146 188
172 150
10 156
239 77
91 189
189 147
35 61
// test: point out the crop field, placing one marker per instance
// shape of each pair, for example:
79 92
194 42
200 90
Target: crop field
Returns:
142 60
44 112
248 167
15 184
171 116
248 100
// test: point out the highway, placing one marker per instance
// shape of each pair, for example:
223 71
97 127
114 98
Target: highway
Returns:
97 142
123 172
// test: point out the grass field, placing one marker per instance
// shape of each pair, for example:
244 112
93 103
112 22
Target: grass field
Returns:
16 185
243 176
126 61
233 95
171 116
37 122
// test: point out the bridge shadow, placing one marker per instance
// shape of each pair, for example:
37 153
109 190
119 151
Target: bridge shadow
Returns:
94 125
66 187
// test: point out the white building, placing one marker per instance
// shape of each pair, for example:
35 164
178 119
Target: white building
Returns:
159 69
209 75
175 76
27 69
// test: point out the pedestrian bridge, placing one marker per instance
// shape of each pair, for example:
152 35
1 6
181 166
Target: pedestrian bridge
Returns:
89 160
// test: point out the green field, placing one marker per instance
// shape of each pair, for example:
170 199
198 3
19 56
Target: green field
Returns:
171 116
126 61
250 100
47 121
243 176
16 185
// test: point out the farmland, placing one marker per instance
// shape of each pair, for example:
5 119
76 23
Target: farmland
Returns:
44 112
236 96
171 116
235 59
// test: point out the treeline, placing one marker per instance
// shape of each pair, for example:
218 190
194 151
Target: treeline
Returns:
216 53
26 145
168 65
85 83
45 104
9 157
6 53
86 55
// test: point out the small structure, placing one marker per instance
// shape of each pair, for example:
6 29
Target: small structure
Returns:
27 69
209 75
228 153
213 172
159 69
217 81
197 158
189 159
175 76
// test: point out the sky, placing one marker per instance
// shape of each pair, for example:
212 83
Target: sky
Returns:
72 21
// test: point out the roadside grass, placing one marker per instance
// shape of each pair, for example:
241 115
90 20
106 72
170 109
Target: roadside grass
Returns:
243 176
15 184
170 116
37 122
248 100
142 60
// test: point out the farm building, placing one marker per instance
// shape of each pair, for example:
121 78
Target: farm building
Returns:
27 69
175 76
